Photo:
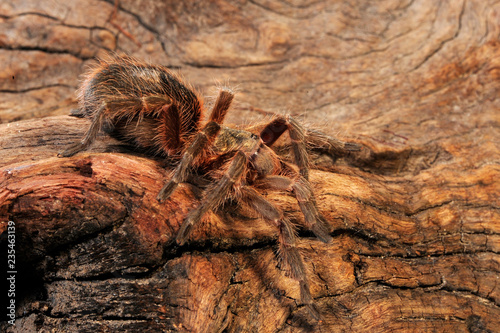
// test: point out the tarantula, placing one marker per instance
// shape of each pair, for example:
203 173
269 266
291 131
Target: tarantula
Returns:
151 108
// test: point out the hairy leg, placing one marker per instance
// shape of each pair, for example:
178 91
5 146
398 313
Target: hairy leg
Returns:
90 135
214 195
199 144
221 105
288 254
277 127
307 203
302 139
301 188
332 146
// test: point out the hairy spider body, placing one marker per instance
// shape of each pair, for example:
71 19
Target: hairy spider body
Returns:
151 108
147 106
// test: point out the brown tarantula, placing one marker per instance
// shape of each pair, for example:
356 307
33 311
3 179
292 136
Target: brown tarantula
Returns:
151 108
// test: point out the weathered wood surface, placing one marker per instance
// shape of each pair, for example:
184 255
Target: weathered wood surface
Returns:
415 216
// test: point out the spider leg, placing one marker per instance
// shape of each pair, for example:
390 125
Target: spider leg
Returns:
288 254
307 203
214 195
182 171
302 138
221 105
301 188
277 127
90 135
200 143
332 146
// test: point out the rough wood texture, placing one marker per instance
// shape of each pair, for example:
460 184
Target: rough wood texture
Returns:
415 216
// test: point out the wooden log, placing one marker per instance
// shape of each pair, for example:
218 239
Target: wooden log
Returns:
414 216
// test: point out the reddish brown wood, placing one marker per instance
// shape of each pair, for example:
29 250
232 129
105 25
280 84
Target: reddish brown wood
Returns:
414 216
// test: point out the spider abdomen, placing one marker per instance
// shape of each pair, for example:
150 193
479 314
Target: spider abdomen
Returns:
145 105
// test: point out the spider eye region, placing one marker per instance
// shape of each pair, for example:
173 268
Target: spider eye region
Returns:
233 139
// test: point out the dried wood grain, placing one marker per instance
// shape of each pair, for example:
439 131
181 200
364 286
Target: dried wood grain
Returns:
415 216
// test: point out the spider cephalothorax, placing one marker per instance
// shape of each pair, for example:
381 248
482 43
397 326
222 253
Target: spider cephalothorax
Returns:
151 108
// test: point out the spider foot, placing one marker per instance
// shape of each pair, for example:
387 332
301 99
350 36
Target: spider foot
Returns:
319 229
307 300
184 231
71 151
351 146
166 191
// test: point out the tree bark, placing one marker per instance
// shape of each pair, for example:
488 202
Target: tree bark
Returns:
415 215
